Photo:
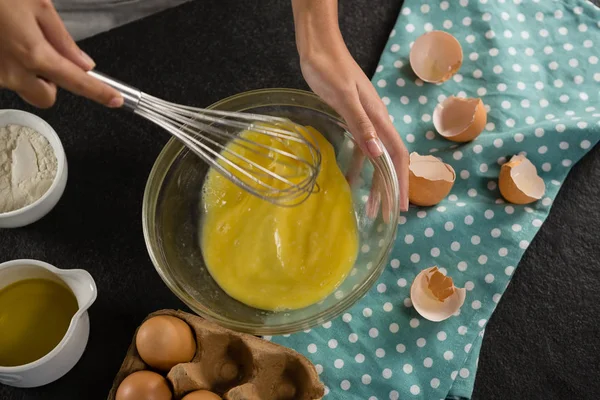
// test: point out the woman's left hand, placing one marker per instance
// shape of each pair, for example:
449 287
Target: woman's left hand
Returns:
342 84
333 74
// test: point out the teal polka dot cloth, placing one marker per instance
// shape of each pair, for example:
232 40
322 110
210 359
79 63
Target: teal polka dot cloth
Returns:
535 66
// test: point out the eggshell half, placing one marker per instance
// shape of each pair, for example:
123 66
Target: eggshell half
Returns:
429 306
459 119
429 180
436 56
519 182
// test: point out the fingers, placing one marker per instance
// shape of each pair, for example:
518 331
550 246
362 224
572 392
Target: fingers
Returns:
57 35
355 165
379 196
36 91
44 49
400 159
377 112
403 181
69 76
360 125
374 201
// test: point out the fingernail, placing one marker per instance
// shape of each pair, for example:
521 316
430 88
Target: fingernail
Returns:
87 59
374 147
115 102
404 203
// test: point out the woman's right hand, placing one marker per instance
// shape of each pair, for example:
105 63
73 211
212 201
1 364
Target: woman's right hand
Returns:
37 54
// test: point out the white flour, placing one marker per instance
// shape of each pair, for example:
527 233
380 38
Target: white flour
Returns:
27 167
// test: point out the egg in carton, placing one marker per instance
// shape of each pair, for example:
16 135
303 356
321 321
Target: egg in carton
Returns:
207 357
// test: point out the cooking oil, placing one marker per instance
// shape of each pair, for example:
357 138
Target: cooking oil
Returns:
35 314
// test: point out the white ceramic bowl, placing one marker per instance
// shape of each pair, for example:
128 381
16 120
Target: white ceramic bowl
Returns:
38 209
70 349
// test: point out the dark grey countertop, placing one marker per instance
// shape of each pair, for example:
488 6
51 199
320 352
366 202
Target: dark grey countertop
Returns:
544 338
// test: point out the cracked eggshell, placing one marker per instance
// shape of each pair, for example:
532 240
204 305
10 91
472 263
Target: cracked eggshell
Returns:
429 181
436 56
460 120
519 182
427 304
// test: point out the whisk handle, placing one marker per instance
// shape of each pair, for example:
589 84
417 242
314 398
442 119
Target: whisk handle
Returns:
131 95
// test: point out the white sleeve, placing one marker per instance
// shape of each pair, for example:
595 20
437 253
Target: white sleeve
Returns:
85 18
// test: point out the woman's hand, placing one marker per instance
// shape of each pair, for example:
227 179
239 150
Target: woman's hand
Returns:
37 54
341 83
332 73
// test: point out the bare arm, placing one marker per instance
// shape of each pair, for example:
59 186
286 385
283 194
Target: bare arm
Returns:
332 73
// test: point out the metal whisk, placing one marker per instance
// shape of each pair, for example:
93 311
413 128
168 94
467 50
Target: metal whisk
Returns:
275 160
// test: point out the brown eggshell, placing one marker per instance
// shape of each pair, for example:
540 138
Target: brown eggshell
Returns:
460 120
165 341
201 395
436 56
430 180
430 307
519 182
146 385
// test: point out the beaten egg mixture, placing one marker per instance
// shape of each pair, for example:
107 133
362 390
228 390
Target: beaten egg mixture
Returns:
277 258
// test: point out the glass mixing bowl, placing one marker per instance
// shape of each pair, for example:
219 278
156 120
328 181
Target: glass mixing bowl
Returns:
171 219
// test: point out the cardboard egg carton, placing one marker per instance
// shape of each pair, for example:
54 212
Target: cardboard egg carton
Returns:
234 365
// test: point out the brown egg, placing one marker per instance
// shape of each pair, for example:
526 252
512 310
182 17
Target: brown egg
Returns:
201 395
519 182
429 180
146 385
165 341
436 56
460 120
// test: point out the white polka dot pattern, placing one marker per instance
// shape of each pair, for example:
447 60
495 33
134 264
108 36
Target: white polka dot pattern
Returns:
534 64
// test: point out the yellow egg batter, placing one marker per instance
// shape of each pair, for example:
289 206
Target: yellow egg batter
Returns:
277 258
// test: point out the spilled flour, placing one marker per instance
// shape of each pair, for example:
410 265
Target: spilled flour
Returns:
27 167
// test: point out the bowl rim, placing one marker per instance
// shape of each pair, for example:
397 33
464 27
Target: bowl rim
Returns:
59 153
161 168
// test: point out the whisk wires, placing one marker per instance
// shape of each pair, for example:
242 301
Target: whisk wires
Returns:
270 157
